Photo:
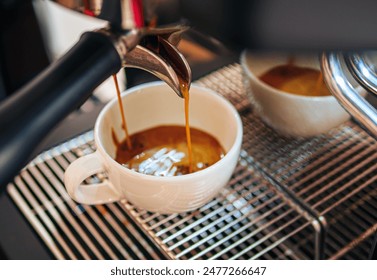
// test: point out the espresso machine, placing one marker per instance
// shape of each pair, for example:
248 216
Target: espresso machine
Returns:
31 108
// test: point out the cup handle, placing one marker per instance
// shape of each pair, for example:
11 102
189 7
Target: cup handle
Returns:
78 171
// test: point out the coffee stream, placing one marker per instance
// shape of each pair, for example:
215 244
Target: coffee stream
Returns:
121 108
185 92
167 150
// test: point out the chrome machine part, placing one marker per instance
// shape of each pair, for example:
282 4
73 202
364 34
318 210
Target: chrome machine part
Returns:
153 50
338 83
363 69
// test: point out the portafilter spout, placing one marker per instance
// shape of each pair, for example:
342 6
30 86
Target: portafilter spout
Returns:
30 113
156 53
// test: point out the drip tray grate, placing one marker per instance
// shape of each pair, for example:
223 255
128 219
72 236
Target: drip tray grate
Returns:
70 230
287 199
249 219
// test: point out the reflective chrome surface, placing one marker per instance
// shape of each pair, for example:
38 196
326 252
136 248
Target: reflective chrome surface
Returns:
347 95
146 59
153 50
363 70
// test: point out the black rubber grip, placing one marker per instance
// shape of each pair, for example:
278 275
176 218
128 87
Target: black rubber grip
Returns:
29 114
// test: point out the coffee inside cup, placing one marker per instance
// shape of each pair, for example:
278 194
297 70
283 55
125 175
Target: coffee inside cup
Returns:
166 150
297 80
162 151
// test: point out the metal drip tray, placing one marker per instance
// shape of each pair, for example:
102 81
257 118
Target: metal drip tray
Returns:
250 219
287 199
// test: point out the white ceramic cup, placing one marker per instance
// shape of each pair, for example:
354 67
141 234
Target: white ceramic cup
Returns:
147 106
289 114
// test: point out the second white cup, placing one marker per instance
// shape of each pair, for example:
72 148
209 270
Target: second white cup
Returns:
289 114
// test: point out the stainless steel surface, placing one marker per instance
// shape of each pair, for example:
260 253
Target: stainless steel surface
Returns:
363 71
346 94
162 59
153 50
287 199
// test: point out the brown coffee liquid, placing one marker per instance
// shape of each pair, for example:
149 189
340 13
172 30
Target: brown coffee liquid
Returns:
121 108
296 80
162 151
185 91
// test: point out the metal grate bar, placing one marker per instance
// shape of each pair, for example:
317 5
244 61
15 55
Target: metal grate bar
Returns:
350 194
275 243
46 221
182 221
209 226
49 203
347 154
117 245
254 233
77 210
274 152
90 213
355 242
280 241
210 215
39 227
58 166
350 156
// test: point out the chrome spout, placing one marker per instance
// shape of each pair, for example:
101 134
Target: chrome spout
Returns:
154 50
150 49
165 62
